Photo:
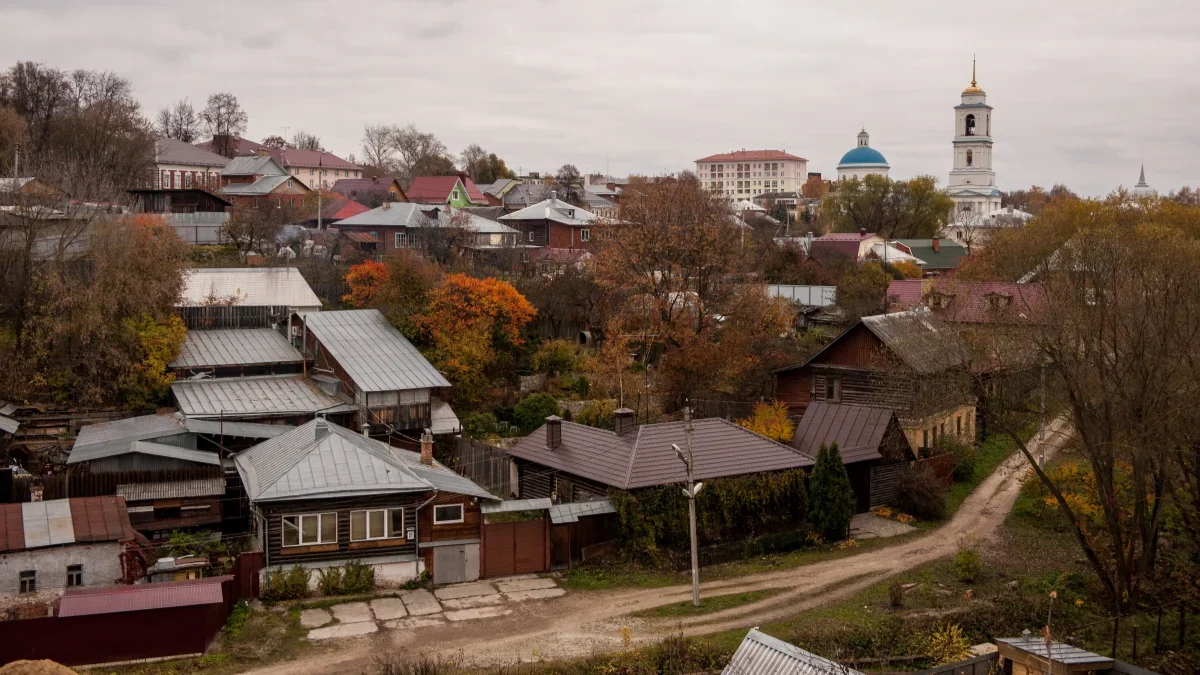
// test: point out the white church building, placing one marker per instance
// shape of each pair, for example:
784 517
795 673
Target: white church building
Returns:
862 160
972 183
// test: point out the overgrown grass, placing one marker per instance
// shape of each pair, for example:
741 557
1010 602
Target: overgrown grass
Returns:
991 455
707 605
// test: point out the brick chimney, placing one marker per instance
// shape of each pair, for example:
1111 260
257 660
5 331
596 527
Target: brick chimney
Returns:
427 447
553 431
623 417
320 429
937 245
862 232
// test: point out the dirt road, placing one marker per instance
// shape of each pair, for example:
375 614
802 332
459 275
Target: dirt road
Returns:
582 623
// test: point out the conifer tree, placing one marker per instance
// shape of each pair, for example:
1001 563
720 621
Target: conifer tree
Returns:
831 501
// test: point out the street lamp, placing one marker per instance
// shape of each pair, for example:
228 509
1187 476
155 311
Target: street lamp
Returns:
693 489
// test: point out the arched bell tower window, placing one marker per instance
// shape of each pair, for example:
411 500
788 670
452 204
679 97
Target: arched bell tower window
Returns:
970 157
970 130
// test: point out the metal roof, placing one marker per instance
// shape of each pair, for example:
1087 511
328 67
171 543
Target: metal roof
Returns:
204 487
915 340
8 424
811 296
262 186
372 351
442 418
1059 652
858 430
573 511
63 521
239 429
198 228
174 151
254 287
271 395
644 458
113 438
235 347
253 165
141 597
322 459
391 214
761 654
514 505
185 454
555 210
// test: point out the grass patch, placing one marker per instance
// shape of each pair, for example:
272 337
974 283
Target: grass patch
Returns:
991 455
707 605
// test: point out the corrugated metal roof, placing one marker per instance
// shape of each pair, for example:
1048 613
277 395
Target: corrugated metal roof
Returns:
63 521
235 347
113 438
262 186
573 511
253 165
174 452
141 597
254 287
858 430
514 505
761 654
811 296
645 458
239 429
204 487
8 424
949 255
1060 653
174 151
336 462
392 214
442 418
553 210
271 395
372 351
922 346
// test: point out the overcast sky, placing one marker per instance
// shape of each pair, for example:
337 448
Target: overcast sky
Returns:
1083 90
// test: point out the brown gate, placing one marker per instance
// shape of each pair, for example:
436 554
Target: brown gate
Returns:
515 548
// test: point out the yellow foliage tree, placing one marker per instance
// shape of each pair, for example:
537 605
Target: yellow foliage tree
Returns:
771 420
158 343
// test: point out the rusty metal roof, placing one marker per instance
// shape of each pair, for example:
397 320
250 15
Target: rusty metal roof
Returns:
140 597
203 487
63 521
645 458
858 430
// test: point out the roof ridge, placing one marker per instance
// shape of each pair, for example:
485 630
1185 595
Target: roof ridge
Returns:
385 456
637 440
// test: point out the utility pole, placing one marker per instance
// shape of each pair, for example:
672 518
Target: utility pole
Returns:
320 180
1042 430
692 490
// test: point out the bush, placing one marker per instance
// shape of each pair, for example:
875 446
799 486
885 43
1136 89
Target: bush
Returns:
329 581
968 565
289 585
831 500
966 456
358 577
555 357
533 410
947 645
920 493
597 414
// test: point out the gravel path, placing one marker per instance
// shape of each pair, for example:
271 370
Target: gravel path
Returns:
582 623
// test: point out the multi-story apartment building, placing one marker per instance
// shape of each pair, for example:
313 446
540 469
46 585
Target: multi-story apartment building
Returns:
746 173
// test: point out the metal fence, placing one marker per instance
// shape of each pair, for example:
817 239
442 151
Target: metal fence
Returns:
231 316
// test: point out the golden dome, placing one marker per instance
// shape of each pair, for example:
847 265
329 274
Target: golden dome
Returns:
974 88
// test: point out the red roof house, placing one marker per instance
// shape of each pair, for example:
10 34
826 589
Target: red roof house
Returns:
457 190
753 156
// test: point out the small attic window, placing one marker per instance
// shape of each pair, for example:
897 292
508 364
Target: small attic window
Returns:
940 300
998 300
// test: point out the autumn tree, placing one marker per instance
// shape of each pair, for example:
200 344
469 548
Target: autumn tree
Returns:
1036 198
180 121
482 166
253 226
568 182
366 281
861 289
770 420
474 327
224 120
814 188
275 141
895 209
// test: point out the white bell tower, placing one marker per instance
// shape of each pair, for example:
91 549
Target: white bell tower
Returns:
972 183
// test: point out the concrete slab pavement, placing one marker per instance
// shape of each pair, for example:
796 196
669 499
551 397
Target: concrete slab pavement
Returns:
477 613
536 594
415 622
315 618
420 603
387 609
459 591
473 601
338 630
511 586
352 612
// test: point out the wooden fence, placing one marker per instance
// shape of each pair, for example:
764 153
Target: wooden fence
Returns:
941 465
727 410
18 488
485 464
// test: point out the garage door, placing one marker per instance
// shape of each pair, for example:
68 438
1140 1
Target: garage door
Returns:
514 548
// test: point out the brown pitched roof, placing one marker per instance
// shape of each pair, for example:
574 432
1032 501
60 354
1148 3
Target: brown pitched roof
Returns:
141 597
644 458
289 157
858 430
353 187
92 519
752 156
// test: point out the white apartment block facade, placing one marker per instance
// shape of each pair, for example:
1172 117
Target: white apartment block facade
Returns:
747 173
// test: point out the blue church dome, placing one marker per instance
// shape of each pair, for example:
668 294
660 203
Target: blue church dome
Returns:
862 155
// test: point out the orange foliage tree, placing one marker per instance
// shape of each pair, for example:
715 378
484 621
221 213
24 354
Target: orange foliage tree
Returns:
771 420
475 327
366 281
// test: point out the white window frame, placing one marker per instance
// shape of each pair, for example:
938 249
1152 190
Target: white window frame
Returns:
531 235
585 234
27 581
401 240
396 533
462 513
300 529
74 576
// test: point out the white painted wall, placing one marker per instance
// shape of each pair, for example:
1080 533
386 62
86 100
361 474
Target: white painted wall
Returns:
101 567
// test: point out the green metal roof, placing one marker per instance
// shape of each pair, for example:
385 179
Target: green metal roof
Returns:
949 257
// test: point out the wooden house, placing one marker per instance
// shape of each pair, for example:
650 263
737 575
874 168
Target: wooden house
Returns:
322 495
552 223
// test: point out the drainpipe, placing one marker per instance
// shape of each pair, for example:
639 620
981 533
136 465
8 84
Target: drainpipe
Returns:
417 523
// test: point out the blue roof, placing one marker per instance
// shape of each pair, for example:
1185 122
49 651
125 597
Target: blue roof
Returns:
862 155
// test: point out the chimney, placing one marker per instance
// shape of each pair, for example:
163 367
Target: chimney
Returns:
367 430
553 431
862 232
624 421
553 197
427 447
937 245
320 429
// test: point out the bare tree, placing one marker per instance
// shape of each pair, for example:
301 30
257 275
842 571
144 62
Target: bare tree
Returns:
225 120
275 141
420 153
180 121
302 140
253 225
474 161
379 151
568 182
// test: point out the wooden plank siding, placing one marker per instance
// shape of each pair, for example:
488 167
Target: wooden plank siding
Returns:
429 534
278 555
537 481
